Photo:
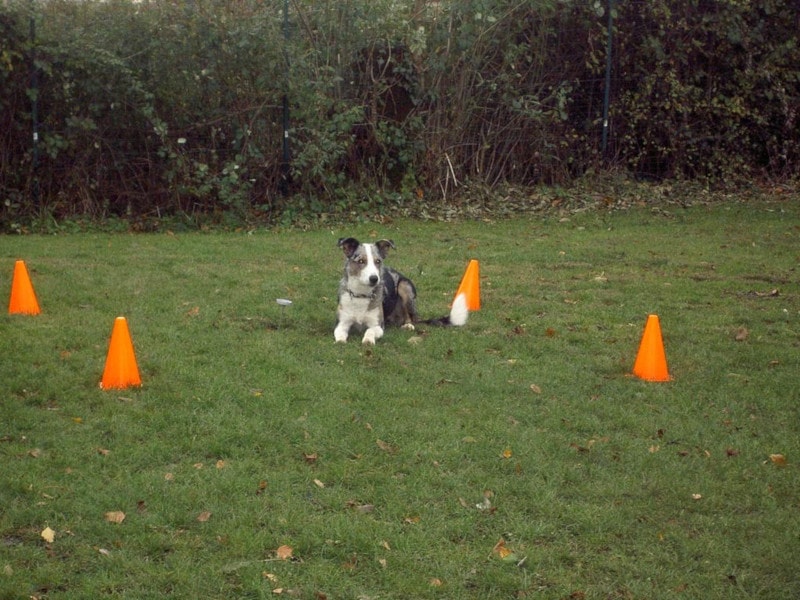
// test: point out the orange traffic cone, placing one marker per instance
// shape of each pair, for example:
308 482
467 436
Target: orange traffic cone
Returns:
23 299
121 370
470 286
651 362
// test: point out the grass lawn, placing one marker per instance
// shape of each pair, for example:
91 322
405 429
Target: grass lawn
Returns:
513 458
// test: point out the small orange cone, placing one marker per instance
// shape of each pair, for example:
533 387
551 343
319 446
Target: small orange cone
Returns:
121 370
23 299
651 362
470 286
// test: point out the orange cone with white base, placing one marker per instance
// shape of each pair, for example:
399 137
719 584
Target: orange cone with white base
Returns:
470 286
23 299
121 370
651 361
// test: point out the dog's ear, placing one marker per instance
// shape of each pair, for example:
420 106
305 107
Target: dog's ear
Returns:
383 247
349 245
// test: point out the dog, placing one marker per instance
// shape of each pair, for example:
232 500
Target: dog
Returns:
372 295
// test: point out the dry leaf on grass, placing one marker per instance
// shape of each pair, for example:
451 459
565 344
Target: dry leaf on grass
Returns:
48 535
115 516
204 516
386 447
284 552
778 459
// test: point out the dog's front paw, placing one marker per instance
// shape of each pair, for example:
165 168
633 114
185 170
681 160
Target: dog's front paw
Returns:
340 334
369 339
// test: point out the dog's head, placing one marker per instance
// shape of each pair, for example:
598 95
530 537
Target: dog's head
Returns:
364 262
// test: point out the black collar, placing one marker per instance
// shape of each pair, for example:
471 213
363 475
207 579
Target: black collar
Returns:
368 296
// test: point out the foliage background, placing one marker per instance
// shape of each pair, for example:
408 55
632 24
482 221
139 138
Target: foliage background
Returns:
156 108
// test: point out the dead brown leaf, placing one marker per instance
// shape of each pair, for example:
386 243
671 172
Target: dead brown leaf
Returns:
115 516
741 334
778 459
284 552
204 516
386 447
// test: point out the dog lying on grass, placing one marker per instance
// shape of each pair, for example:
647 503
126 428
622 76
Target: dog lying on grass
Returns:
372 295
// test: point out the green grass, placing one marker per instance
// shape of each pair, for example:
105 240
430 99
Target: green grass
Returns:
430 453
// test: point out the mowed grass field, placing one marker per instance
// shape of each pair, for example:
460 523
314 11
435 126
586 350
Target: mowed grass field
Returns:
515 457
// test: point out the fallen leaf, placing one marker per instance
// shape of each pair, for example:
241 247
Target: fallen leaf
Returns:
550 332
35 453
778 459
310 458
284 552
48 535
198 466
507 453
318 483
436 582
732 452
204 516
386 447
220 464
412 520
269 576
502 551
115 516
654 448
352 563
536 389
104 552
168 476
103 452
697 496
364 508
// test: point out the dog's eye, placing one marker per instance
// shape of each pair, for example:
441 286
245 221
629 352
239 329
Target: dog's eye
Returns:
378 262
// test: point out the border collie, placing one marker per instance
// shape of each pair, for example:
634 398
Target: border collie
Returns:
372 295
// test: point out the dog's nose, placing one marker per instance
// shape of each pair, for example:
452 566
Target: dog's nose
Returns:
373 279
